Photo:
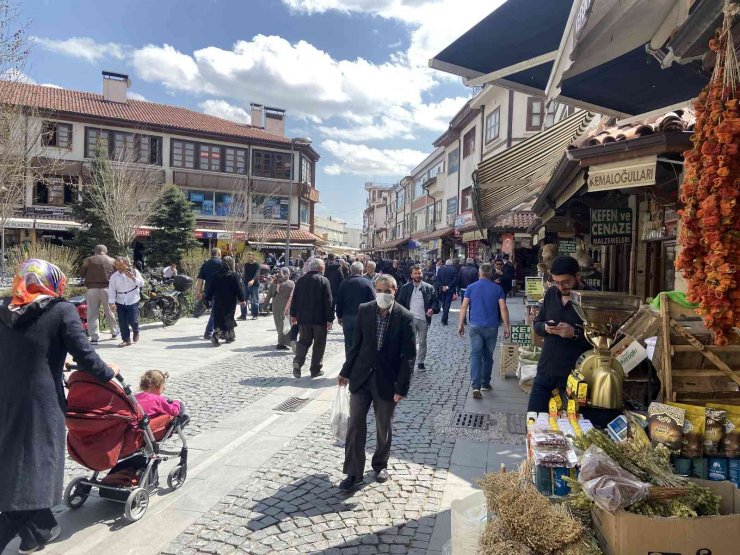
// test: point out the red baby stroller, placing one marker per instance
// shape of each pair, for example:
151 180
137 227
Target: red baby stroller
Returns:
108 430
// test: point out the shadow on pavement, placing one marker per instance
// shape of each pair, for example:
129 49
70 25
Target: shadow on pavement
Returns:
178 339
203 344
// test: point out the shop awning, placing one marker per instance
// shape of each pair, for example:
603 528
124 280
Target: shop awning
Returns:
509 178
591 54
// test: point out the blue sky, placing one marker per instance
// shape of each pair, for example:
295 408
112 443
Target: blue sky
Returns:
351 74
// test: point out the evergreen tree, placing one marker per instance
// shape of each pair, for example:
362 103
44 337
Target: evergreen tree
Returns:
94 231
174 223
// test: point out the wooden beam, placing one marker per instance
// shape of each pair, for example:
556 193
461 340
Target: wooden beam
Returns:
718 362
667 381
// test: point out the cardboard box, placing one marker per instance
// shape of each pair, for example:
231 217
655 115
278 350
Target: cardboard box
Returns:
624 533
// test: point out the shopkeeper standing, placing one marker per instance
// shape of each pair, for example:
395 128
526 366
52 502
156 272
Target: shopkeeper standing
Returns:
564 339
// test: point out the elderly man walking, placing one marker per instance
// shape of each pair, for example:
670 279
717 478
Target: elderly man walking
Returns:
378 371
370 274
96 271
312 309
420 299
446 287
352 293
487 304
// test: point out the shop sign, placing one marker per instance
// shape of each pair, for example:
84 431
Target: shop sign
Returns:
463 219
592 278
473 247
533 288
435 244
639 172
566 246
507 243
19 224
611 226
143 232
54 226
521 334
48 210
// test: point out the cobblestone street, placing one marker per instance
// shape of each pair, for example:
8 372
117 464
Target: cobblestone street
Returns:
264 480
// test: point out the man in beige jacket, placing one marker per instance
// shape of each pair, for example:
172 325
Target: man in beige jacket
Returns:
96 271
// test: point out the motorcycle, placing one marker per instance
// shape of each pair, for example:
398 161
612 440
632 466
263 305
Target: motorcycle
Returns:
157 304
80 303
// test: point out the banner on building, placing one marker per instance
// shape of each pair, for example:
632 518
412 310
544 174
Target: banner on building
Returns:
638 172
611 226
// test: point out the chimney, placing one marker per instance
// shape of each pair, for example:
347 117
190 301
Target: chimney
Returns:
275 121
256 113
114 87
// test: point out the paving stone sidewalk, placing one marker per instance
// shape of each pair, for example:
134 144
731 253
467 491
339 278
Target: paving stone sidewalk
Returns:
292 505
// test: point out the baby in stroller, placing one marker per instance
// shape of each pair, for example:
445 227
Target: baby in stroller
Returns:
110 428
152 384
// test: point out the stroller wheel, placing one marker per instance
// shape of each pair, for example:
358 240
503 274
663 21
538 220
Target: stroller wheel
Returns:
76 493
176 477
136 504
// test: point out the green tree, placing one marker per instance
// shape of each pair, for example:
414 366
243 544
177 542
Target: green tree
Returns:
95 230
174 227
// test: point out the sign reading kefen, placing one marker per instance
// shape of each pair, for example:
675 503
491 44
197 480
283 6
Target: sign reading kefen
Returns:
611 226
638 172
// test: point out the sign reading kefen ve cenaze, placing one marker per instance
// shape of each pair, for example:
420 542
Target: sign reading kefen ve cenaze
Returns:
611 226
521 334
622 175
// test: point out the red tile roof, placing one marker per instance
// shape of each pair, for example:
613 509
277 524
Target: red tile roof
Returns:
515 220
134 111
680 120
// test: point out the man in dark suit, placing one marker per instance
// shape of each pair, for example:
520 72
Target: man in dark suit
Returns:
378 370
446 287
352 293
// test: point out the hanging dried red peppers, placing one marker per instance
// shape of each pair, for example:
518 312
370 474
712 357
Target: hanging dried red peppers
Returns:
710 223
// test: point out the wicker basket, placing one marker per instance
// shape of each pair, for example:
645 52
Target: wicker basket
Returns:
508 361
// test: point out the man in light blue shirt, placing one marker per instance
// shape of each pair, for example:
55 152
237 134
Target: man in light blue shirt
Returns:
487 303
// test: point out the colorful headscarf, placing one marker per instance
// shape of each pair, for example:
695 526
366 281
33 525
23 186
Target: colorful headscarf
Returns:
36 280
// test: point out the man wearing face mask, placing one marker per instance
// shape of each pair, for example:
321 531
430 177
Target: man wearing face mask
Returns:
378 371
420 298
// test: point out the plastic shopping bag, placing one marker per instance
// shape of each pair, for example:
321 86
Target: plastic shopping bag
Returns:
340 413
286 325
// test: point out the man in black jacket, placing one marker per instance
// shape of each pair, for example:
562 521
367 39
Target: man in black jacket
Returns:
334 274
564 339
446 288
352 293
420 298
378 370
468 275
312 310
251 286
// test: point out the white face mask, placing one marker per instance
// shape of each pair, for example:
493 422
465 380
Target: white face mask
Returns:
385 300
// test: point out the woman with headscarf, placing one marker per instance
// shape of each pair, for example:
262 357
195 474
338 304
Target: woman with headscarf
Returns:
280 292
223 292
38 328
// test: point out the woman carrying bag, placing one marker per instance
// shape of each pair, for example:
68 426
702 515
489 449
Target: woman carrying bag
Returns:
223 292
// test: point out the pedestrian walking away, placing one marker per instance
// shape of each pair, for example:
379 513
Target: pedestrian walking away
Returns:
487 304
251 286
124 293
207 271
96 270
562 330
352 293
312 309
223 292
279 293
447 287
468 275
333 273
37 330
378 372
420 298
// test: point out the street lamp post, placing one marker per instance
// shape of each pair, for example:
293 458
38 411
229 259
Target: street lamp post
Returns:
301 141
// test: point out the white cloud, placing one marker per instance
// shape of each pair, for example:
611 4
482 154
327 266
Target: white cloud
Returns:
370 162
222 109
83 47
131 95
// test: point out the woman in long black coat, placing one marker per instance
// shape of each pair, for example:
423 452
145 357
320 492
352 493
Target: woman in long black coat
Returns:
37 330
223 292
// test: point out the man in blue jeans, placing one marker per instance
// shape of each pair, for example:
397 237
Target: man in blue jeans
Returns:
487 304
251 286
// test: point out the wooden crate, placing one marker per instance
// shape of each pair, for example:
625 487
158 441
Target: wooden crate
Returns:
509 360
691 369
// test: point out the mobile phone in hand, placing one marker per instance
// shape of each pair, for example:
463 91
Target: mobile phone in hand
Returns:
552 323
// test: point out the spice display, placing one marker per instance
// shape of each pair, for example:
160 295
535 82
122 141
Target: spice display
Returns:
692 441
714 431
710 230
665 425
731 441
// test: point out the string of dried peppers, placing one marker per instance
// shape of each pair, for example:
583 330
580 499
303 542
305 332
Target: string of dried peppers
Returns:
710 227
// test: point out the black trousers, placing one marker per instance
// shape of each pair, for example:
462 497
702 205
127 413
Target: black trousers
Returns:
33 525
354 448
306 336
539 397
348 326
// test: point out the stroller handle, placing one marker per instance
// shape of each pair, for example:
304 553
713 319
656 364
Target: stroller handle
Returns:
118 376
